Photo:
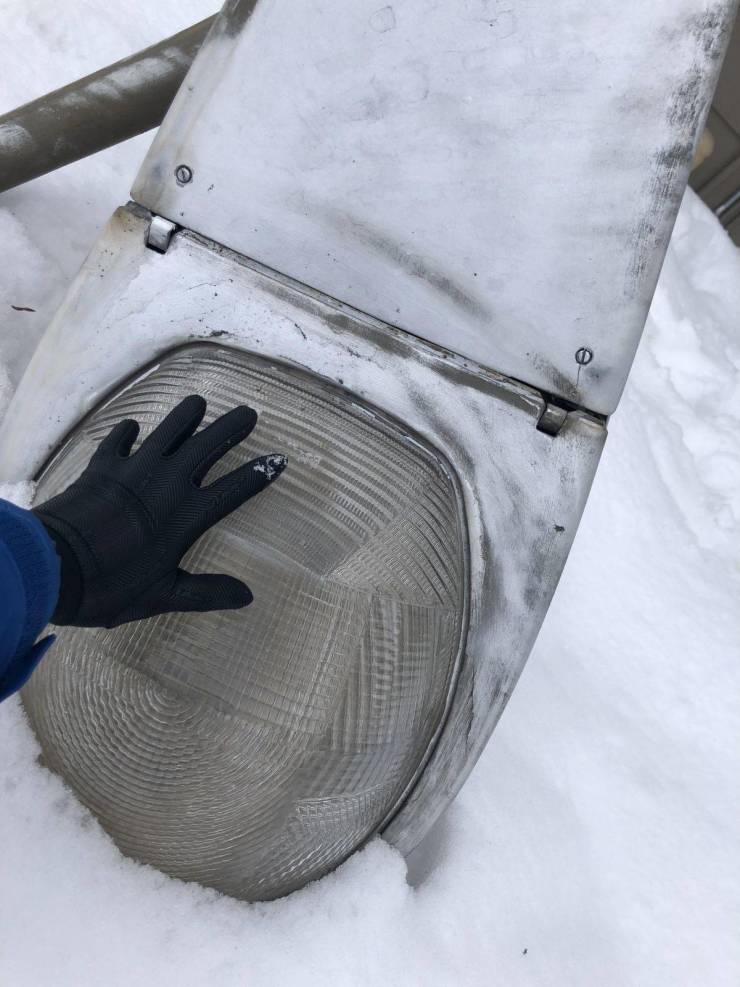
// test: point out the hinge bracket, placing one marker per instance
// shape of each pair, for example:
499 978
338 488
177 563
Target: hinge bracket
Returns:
159 234
552 418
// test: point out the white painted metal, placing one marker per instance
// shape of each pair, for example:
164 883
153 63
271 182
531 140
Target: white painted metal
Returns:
497 176
159 233
524 490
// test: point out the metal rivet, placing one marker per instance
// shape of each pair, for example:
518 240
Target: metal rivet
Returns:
183 174
584 355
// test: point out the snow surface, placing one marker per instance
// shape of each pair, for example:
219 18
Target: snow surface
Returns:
596 842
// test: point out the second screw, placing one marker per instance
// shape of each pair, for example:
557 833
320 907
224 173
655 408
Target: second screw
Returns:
183 174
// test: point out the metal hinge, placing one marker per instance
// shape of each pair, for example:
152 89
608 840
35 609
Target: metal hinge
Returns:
159 234
552 418
555 415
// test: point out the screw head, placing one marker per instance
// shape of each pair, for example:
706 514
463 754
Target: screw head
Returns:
584 355
183 174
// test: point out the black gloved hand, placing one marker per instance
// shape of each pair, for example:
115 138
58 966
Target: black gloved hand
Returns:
122 528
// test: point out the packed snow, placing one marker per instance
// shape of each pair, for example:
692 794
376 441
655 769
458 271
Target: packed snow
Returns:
596 842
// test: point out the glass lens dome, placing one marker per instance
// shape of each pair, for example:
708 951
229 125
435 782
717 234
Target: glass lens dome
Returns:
254 750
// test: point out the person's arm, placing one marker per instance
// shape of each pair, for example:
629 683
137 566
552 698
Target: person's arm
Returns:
29 589
107 550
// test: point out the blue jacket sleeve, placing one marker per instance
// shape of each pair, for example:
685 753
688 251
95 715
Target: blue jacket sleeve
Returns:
29 589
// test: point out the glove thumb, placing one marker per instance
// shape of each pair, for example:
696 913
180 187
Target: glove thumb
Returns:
187 593
206 591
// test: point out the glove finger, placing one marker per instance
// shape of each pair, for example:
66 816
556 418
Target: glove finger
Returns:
176 427
234 489
208 446
119 440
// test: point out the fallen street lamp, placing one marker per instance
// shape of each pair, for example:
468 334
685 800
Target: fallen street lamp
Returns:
422 243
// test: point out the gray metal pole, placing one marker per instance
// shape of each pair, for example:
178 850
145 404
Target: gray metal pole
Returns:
109 106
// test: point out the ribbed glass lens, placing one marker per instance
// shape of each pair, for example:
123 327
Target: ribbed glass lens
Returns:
254 750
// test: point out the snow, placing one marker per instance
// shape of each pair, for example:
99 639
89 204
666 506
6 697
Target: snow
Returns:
596 841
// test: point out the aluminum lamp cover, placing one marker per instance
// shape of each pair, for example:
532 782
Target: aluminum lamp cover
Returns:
253 751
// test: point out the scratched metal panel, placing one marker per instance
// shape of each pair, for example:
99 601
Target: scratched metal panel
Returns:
497 176
523 490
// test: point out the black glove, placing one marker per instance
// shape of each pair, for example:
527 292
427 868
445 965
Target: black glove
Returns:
121 529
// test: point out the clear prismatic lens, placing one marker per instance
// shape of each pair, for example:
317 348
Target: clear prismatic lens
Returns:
255 750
